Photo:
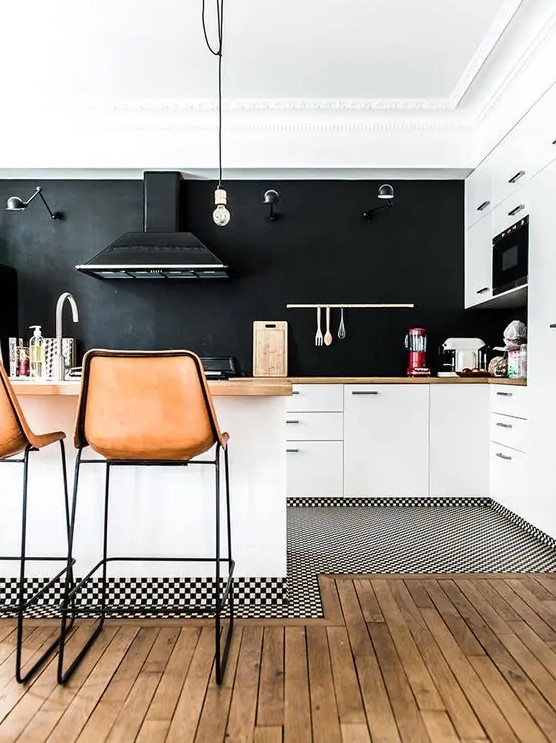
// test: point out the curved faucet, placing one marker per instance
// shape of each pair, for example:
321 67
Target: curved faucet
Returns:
59 363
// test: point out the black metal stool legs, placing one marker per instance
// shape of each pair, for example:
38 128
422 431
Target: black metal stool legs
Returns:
22 603
221 661
70 588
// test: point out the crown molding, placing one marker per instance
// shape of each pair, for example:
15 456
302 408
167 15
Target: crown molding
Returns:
208 105
488 42
521 64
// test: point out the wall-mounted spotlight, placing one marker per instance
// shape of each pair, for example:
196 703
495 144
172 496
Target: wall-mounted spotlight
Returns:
271 197
15 204
386 192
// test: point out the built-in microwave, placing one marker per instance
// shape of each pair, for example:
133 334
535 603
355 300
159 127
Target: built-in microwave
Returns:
510 257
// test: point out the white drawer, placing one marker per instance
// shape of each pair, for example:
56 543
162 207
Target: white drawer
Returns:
317 397
315 469
511 210
314 426
509 431
509 400
508 475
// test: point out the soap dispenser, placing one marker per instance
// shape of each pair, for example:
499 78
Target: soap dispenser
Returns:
36 353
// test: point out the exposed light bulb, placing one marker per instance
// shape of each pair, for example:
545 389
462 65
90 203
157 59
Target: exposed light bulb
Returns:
220 215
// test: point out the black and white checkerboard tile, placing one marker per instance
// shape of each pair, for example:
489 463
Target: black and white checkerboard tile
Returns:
417 539
369 536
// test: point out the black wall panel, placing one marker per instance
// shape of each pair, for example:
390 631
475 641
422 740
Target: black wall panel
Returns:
320 250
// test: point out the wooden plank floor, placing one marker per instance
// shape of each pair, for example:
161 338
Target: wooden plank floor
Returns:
398 659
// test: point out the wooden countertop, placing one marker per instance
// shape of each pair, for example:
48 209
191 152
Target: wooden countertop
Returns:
235 387
407 380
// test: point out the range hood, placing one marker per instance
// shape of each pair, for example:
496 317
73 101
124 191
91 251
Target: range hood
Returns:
161 251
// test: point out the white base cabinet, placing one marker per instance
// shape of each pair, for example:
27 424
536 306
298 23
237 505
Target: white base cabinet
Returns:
315 469
386 440
459 443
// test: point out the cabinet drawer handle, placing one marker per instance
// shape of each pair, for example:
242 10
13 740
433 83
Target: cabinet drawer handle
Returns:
295 392
504 394
483 206
293 421
515 210
552 325
517 176
292 451
503 456
364 392
483 290
505 425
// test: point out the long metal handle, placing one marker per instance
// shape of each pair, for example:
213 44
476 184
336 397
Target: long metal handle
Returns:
483 206
504 394
483 290
552 325
364 392
502 456
505 425
515 210
517 176
292 451
295 392
293 421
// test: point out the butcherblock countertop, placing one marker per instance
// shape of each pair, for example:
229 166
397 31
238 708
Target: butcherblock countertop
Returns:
251 387
406 380
234 387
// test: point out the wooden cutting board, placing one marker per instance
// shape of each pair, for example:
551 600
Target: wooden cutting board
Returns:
270 348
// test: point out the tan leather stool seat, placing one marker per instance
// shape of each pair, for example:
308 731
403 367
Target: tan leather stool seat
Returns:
146 406
15 434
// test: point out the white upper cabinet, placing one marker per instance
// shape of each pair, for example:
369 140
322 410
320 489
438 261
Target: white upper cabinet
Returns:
539 133
478 193
511 210
478 262
386 440
509 164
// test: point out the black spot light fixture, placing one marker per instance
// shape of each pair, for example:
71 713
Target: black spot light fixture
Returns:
385 192
271 197
16 204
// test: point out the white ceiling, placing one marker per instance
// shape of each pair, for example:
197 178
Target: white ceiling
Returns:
329 86
401 50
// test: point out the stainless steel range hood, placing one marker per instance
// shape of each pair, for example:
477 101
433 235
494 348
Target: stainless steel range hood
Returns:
161 251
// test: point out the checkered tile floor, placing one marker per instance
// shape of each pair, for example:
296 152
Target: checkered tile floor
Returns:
354 539
460 539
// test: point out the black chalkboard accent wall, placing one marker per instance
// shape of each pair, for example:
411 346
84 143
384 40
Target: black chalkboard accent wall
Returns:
319 250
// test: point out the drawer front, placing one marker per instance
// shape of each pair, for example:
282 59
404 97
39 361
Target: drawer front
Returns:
315 469
508 476
509 400
322 398
314 426
509 431
511 210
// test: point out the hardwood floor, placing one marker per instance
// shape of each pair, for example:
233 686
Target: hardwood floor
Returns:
398 659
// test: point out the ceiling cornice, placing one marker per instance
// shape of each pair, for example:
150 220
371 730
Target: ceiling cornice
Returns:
488 42
520 65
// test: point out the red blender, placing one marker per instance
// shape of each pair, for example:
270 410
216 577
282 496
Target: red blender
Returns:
416 344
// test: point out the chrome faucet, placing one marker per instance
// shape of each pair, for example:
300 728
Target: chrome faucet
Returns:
59 362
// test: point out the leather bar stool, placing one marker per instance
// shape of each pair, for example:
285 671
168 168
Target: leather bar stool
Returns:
17 441
148 408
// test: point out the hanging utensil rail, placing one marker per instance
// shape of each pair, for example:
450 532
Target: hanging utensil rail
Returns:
408 306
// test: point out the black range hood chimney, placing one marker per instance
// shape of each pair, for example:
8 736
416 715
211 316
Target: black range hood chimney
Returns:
161 251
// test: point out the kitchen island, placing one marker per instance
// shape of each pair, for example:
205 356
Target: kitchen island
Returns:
160 511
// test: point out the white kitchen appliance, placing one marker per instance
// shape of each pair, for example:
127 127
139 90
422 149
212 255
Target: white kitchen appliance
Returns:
460 354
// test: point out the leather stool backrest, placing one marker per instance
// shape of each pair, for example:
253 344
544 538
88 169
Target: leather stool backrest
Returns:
145 405
13 427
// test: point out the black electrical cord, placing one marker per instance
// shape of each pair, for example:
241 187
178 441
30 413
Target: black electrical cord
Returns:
217 53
